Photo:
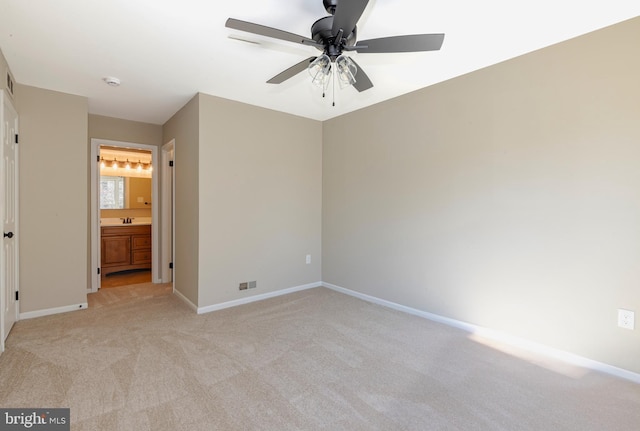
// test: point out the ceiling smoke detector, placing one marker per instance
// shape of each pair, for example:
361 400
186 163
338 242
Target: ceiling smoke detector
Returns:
111 81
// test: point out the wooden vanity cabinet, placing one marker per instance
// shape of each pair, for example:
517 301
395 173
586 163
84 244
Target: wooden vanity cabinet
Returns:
125 247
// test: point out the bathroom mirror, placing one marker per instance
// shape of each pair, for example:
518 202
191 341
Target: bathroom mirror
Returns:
118 192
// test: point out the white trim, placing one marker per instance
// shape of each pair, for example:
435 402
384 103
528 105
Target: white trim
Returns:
168 211
186 300
95 211
57 310
255 298
434 317
499 336
95 219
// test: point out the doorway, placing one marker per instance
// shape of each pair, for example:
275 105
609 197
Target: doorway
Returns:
9 286
130 250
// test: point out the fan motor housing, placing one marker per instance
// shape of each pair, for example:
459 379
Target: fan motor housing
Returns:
322 32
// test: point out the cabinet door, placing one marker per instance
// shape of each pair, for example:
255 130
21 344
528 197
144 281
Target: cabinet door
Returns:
116 250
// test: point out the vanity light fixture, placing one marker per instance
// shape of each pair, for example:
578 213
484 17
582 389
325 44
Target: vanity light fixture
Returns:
141 167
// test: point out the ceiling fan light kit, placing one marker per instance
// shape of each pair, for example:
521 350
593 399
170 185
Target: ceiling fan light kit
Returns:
333 35
320 70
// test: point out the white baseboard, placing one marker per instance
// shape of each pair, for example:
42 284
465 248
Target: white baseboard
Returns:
186 300
499 336
254 298
50 311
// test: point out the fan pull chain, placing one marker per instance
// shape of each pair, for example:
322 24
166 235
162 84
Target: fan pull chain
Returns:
333 79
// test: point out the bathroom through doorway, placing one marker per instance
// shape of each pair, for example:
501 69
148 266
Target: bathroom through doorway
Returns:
124 219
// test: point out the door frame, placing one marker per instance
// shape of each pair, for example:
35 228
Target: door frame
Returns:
95 208
168 211
6 102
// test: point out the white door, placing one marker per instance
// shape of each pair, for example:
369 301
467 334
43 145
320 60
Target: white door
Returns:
9 199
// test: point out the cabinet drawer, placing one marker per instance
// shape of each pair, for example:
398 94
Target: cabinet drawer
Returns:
140 242
143 256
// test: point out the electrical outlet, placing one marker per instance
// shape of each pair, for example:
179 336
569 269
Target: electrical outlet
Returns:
244 286
308 259
626 319
253 284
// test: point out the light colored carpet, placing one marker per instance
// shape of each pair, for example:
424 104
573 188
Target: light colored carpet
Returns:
139 359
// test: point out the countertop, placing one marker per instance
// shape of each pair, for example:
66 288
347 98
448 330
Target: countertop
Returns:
135 221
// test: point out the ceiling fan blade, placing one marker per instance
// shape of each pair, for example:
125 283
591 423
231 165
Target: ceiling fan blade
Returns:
263 30
291 72
362 80
348 12
408 43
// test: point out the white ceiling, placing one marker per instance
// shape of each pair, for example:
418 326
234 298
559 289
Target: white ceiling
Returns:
165 51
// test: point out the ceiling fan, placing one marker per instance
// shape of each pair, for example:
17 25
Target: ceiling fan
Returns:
335 34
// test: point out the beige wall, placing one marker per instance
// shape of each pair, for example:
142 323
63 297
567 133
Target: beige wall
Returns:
508 198
53 207
116 129
184 128
260 199
248 199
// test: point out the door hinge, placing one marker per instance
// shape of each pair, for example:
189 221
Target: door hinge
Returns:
16 138
17 295
170 163
97 158
98 271
170 265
